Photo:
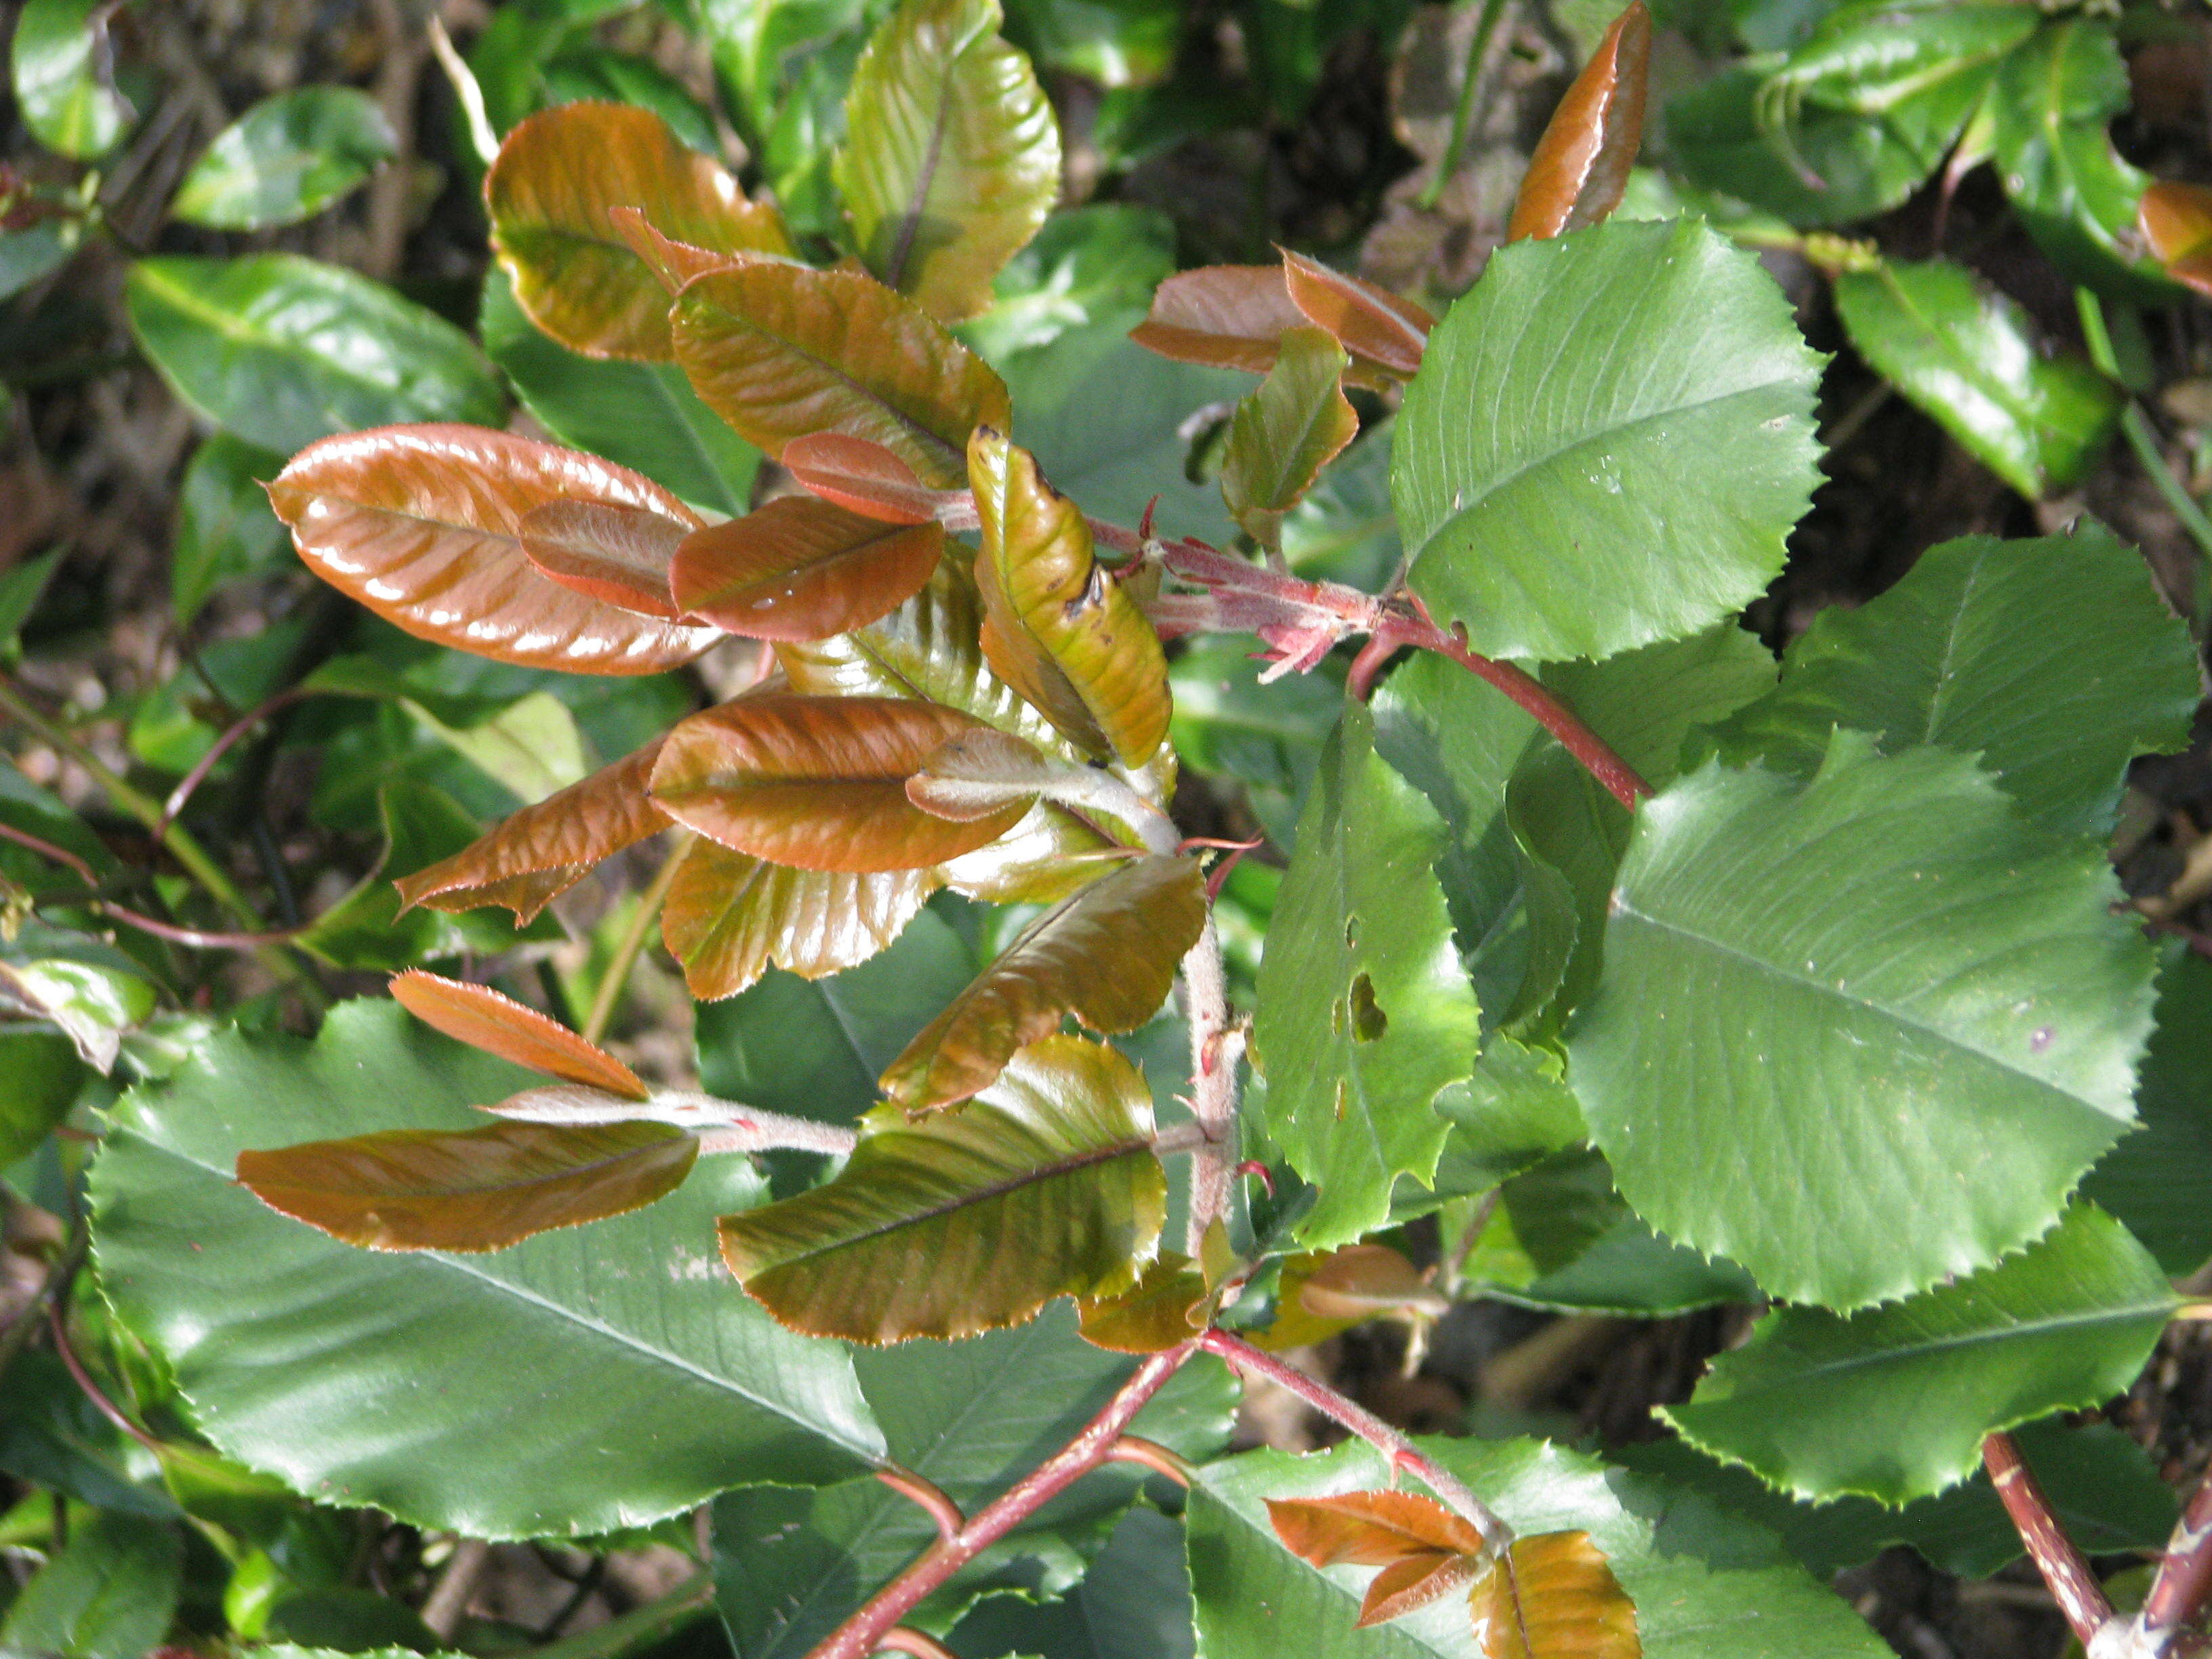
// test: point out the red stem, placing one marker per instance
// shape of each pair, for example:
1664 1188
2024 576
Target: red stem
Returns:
930 1497
870 1629
2072 1585
238 728
47 850
2184 1580
106 1407
194 937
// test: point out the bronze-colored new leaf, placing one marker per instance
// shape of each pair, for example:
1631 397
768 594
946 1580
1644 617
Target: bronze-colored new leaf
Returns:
1108 955
980 772
2177 224
1163 1308
1223 316
1581 165
476 1189
816 783
540 852
1553 1597
962 1222
781 351
1057 627
1380 331
1424 1550
868 479
673 263
1285 433
729 918
550 193
952 160
423 525
619 556
489 1020
799 568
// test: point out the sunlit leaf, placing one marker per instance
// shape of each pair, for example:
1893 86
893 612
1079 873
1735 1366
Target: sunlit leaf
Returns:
1424 1550
1108 955
1058 626
799 569
1581 165
952 160
479 1189
495 1023
1045 1184
286 159
817 783
619 556
868 479
1553 1597
550 193
423 525
1323 1293
2176 220
1236 316
977 774
63 62
1161 1309
1379 329
782 352
1285 433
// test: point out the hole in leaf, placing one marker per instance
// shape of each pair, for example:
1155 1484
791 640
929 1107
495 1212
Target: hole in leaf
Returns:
1368 1022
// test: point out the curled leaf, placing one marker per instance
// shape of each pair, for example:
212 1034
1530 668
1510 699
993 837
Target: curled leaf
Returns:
816 783
423 525
1424 1550
673 263
1108 955
617 555
978 772
550 193
1223 316
478 1189
799 568
484 1018
868 479
2176 223
1553 1597
1376 327
1285 433
1581 165
1162 1309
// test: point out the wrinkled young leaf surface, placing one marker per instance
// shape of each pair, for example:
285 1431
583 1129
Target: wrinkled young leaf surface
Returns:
1581 164
1166 1306
288 1343
286 159
1780 1063
1365 1014
952 157
2053 659
781 352
1893 1403
817 783
495 1023
867 478
1108 955
478 1189
1044 1185
1607 443
1286 432
549 195
1965 354
423 525
802 570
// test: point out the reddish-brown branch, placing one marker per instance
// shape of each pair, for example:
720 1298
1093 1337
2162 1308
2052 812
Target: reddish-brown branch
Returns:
1402 1452
107 1408
901 1638
870 1629
47 850
195 938
237 729
1135 1448
931 1497
2184 1580
2072 1585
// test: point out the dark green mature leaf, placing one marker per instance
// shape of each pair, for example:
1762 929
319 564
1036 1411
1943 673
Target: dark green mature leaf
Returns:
1866 165
1044 1185
650 1390
2054 660
1107 954
1764 1027
952 157
63 69
225 531
1964 353
1607 443
1134 1603
1705 1585
109 1594
2158 1180
281 350
1365 1014
39 1077
52 1435
1893 1403
1286 432
287 159
1268 737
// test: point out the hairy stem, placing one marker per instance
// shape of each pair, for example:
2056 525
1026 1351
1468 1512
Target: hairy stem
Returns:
630 945
1215 1050
864 1632
1402 1452
2072 1585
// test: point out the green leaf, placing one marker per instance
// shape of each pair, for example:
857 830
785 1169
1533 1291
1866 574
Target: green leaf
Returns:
1607 443
281 350
649 1390
1705 1584
1893 1403
41 1076
287 159
109 1594
225 531
1964 353
1344 530
1286 432
953 157
64 77
1268 737
1116 43
2053 659
1044 1185
1867 165
1086 265
2158 1180
53 1436
1365 1014
1134 1603
1965 1000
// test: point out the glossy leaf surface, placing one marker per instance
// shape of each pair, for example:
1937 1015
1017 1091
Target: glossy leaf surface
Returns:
1763 1029
1607 445
1166 1306
953 157
548 195
60 57
495 1023
479 1189
1581 165
287 159
1425 1551
619 556
802 569
1044 1185
816 783
1553 1597
1286 433
285 1340
2158 1180
867 478
1380 331
1222 316
1366 1015
1108 955
1964 353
